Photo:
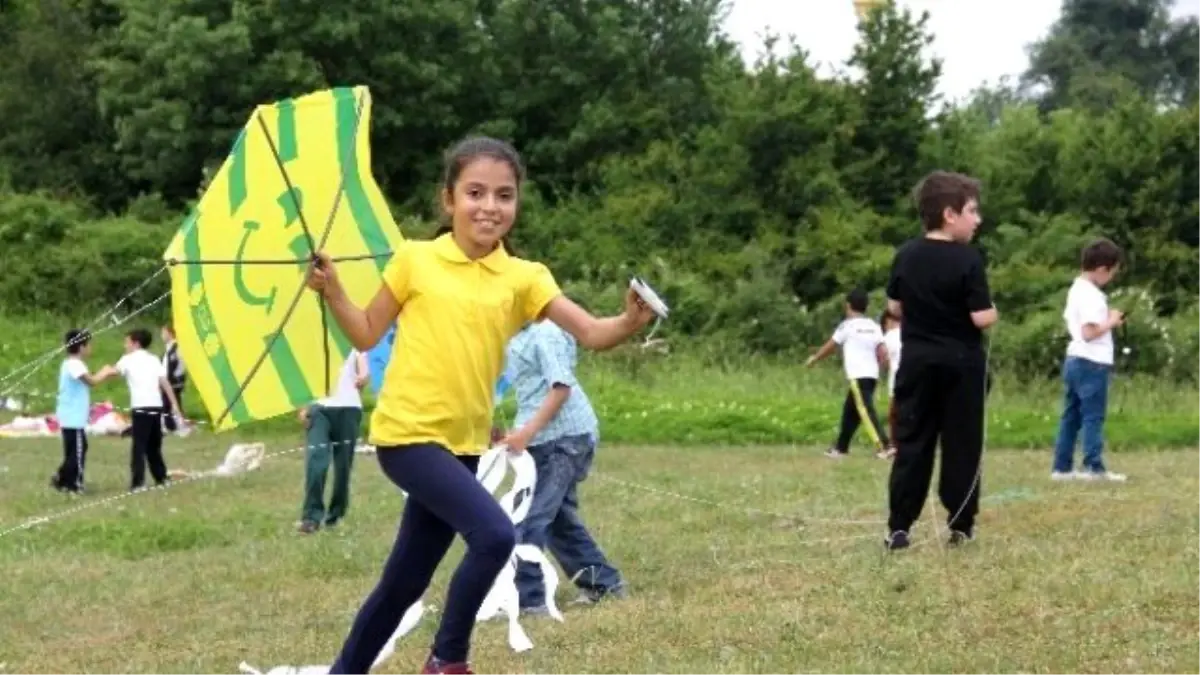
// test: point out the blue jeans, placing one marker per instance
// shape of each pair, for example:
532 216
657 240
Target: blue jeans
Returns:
553 521
1084 407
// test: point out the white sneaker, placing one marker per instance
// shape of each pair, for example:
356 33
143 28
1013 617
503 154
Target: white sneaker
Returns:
1062 475
1110 476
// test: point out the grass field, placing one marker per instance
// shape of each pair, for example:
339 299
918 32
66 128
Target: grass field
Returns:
746 550
740 559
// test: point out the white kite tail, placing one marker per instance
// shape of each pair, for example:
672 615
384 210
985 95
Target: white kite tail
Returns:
408 622
503 596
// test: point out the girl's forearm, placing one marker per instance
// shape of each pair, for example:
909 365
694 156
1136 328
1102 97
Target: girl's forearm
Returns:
608 332
352 320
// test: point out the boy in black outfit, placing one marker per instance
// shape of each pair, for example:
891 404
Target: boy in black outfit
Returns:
939 287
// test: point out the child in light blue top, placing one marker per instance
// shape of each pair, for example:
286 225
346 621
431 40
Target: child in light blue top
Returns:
73 408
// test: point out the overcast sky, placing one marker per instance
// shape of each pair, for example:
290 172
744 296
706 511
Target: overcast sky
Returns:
978 40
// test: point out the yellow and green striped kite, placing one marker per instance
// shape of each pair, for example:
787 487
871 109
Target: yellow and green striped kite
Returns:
256 342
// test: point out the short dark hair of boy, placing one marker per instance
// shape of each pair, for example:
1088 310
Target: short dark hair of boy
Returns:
1100 253
75 339
943 190
857 299
142 337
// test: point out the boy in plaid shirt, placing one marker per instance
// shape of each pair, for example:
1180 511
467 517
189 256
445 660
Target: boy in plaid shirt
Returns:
555 423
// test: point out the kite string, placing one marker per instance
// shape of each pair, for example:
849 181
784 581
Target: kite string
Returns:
37 521
42 359
362 443
748 509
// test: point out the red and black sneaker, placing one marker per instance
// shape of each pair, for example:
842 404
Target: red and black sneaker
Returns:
436 665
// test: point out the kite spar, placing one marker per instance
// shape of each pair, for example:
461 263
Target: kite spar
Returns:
297 181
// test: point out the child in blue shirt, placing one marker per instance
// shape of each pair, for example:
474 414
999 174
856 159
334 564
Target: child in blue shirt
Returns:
556 424
72 410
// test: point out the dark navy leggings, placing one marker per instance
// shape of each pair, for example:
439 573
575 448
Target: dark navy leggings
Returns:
444 498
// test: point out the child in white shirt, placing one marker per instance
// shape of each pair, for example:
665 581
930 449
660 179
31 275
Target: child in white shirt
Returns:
147 380
891 341
861 340
1088 364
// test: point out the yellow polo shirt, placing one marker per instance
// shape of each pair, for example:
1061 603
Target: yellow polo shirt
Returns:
456 316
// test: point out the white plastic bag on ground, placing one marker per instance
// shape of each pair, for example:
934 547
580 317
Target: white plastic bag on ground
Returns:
241 458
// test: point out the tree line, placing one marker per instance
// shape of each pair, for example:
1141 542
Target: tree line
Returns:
755 195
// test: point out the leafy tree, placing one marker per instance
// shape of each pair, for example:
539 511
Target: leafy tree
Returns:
1099 49
52 136
896 93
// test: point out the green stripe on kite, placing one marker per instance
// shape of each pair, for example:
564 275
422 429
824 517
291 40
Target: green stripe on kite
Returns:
339 338
237 173
283 358
205 323
288 370
356 195
288 141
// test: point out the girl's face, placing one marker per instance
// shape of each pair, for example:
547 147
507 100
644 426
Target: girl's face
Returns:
483 205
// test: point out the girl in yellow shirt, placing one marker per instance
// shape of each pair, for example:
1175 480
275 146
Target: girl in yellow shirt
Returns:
457 300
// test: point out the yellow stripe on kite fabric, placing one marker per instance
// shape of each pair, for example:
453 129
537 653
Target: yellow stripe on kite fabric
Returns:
240 259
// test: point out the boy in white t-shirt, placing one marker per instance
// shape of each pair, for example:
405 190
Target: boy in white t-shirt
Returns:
1088 364
861 340
332 426
147 380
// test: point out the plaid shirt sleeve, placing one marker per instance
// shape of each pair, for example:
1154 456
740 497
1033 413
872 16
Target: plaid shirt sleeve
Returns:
555 359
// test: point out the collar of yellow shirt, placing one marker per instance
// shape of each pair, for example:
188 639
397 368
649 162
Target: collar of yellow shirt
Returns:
497 261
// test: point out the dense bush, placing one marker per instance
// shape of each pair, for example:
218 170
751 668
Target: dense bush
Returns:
752 197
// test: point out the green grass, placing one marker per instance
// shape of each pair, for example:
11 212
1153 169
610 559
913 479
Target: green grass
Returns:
696 396
741 559
746 550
